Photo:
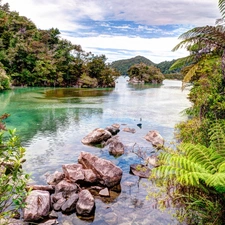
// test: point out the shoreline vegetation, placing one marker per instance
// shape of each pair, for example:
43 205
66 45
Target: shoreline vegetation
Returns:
33 57
193 173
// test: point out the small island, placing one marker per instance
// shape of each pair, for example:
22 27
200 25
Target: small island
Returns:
142 73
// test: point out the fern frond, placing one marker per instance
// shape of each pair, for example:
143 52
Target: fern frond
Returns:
192 178
221 168
217 137
186 164
217 179
200 154
221 5
190 73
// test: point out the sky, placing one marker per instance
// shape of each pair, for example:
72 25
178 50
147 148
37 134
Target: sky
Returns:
121 29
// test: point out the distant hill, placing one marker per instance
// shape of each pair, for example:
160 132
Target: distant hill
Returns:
123 65
165 67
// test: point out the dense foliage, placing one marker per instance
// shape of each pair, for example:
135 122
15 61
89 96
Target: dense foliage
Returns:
124 64
146 74
35 57
193 173
12 178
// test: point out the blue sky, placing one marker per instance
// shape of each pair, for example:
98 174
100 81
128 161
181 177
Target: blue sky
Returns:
121 29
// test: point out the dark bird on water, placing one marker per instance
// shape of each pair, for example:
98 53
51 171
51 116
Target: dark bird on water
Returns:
140 124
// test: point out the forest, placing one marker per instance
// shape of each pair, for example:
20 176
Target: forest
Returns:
35 57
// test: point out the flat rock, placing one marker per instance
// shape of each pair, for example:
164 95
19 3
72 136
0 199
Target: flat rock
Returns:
104 192
130 130
97 136
140 170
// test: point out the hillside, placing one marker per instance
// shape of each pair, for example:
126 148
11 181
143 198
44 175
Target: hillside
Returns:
123 65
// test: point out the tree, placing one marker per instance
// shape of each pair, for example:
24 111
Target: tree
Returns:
146 74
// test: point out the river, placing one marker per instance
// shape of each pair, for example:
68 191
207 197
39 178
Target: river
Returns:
52 121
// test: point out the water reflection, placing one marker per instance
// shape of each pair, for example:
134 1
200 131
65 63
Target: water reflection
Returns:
52 123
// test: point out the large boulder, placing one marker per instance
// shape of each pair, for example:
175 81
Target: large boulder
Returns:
106 172
73 172
155 138
85 204
38 205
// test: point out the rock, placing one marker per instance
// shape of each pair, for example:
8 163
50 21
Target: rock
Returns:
97 136
49 222
85 204
58 205
135 80
106 172
41 187
116 148
155 138
113 129
104 192
70 204
73 172
55 178
53 215
152 160
140 170
130 130
55 197
11 221
89 176
66 187
38 205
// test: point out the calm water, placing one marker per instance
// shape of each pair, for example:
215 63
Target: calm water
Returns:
52 122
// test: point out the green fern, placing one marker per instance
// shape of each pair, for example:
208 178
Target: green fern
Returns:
197 165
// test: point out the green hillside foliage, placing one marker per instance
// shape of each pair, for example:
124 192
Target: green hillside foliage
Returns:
142 73
123 65
35 57
165 67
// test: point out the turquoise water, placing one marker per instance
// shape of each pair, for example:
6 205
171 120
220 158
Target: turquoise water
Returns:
52 121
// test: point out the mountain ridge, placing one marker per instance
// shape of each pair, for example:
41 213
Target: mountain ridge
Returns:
124 64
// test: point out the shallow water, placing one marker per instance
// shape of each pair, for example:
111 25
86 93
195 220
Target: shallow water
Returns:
52 122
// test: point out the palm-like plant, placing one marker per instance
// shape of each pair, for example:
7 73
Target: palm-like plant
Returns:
202 43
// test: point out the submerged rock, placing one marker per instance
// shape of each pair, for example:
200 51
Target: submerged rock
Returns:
140 170
116 147
155 138
130 130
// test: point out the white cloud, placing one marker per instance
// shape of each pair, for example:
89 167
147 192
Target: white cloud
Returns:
68 15
155 49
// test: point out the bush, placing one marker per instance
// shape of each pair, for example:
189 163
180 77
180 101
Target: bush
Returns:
4 80
13 180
